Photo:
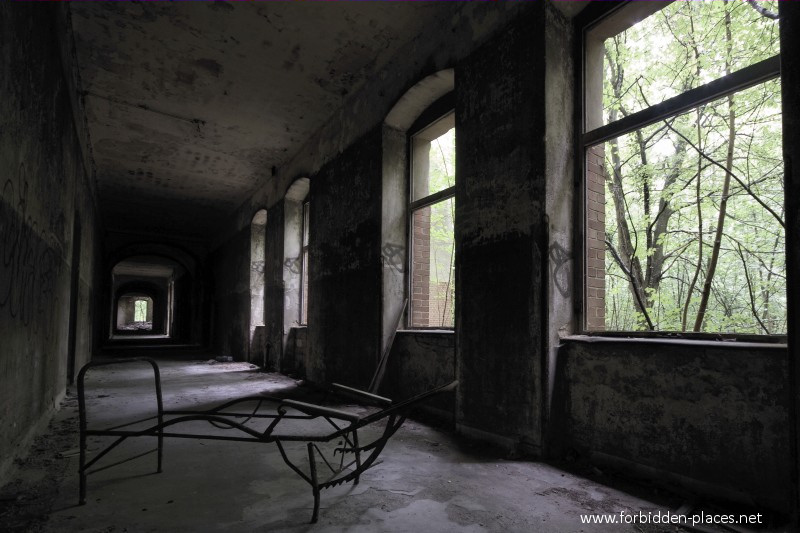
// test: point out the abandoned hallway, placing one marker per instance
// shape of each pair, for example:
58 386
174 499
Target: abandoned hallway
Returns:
582 212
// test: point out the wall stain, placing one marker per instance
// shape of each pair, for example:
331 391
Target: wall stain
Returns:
28 267
294 264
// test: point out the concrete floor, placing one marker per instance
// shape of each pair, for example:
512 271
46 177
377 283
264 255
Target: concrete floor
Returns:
428 480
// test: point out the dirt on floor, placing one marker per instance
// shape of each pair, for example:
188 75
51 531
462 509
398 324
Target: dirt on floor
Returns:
27 500
431 480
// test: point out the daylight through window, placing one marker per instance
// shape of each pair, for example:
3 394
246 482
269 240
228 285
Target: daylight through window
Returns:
432 212
304 267
684 218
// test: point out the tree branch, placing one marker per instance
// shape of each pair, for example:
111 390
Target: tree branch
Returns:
632 281
750 290
732 175
762 10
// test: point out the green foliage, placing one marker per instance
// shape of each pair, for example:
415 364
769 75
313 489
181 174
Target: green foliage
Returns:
672 175
140 311
442 172
437 221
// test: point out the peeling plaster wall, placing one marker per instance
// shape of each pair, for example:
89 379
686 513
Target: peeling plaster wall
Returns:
345 265
294 355
45 190
356 222
273 288
230 268
440 43
713 412
418 362
394 229
560 193
499 233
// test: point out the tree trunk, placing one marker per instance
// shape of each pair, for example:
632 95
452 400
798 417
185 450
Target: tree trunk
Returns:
723 204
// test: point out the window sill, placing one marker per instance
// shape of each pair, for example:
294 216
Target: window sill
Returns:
631 338
425 331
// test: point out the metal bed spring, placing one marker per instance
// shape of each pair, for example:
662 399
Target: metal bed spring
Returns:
346 431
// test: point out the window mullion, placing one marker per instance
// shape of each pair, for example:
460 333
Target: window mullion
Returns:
736 81
433 198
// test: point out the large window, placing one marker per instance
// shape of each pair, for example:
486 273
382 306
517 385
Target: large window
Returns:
431 210
684 207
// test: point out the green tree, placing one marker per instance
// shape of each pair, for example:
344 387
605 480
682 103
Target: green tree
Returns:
694 204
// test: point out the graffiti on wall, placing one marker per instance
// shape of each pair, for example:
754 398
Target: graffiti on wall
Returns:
28 266
294 264
560 271
394 255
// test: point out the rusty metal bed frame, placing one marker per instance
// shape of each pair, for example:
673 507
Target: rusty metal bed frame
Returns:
354 459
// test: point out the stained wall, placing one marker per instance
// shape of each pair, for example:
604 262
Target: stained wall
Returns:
48 230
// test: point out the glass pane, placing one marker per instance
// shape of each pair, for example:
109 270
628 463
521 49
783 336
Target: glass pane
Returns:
304 281
433 267
304 266
659 198
680 47
434 158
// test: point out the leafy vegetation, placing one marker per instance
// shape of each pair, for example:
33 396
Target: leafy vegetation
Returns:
140 311
441 176
694 221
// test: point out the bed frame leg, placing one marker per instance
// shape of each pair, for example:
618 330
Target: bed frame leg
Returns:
160 450
82 476
314 486
358 457
160 403
82 469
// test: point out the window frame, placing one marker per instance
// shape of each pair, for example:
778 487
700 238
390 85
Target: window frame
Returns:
304 260
439 110
593 15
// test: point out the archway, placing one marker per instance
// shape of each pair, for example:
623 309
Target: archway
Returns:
143 296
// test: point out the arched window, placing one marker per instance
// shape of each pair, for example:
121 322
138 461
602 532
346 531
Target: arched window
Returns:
257 243
296 256
418 231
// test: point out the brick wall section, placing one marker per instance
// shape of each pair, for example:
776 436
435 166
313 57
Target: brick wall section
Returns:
595 234
442 304
421 268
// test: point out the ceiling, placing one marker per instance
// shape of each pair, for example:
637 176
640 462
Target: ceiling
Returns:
190 105
147 266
